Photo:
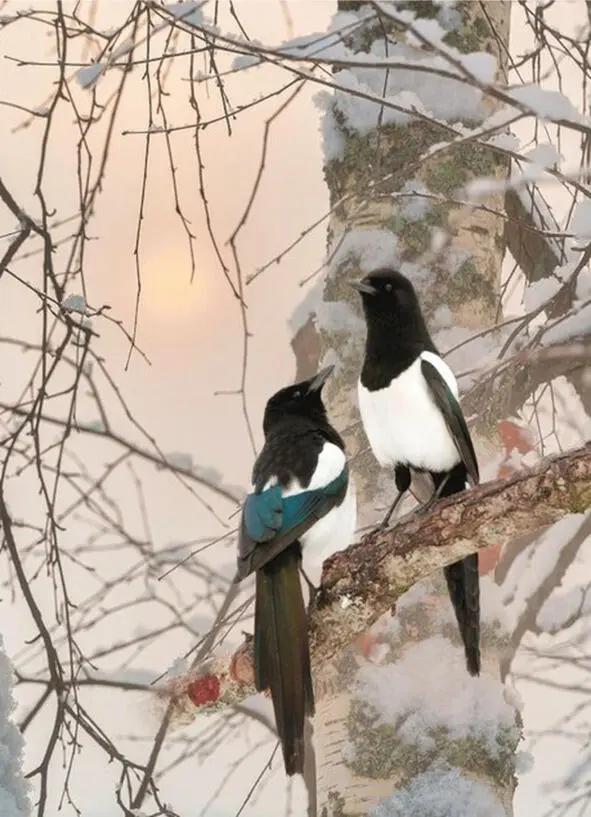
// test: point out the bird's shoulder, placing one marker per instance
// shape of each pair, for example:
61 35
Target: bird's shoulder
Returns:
442 369
293 450
385 361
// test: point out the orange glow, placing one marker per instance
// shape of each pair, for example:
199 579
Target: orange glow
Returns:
167 290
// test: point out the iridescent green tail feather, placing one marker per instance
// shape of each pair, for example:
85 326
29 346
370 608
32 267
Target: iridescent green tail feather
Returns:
281 651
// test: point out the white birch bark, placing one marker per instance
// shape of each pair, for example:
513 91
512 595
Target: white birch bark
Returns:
359 761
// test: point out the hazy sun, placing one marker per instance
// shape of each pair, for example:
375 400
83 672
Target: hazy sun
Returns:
167 290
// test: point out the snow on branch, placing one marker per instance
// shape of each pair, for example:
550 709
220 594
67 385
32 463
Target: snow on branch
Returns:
364 581
14 790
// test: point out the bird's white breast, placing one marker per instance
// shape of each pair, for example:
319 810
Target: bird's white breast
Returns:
334 532
404 425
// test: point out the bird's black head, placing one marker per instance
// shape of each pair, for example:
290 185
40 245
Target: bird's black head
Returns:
390 301
386 290
303 399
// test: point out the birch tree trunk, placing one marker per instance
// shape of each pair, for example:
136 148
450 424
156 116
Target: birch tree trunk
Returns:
385 220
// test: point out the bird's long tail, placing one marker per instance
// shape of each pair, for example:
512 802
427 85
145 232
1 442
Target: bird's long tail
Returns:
463 586
281 652
464 592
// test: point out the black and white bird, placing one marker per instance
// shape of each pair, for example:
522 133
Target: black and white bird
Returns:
302 505
409 406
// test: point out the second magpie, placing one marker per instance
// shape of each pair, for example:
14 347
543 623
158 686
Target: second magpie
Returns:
409 406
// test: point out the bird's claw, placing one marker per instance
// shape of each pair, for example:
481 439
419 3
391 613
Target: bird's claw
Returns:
383 525
316 596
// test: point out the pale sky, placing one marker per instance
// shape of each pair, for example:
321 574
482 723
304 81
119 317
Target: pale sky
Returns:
192 334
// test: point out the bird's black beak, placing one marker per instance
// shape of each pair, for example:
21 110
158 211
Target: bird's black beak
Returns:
318 381
364 287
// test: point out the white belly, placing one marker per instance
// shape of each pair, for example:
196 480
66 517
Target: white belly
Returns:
334 532
404 426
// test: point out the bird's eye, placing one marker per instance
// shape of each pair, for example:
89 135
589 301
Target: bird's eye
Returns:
297 394
388 287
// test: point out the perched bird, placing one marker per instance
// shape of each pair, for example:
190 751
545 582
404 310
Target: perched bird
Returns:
408 401
302 502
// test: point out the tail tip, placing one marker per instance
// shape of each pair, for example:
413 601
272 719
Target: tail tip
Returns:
294 759
473 662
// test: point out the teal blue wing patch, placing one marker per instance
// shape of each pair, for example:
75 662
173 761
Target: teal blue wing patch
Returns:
263 514
271 522
311 504
300 508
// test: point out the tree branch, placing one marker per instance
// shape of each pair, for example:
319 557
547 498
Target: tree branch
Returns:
503 393
364 581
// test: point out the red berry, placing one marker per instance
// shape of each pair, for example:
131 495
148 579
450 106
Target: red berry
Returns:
204 690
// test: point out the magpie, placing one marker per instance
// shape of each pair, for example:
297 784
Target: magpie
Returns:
302 501
408 401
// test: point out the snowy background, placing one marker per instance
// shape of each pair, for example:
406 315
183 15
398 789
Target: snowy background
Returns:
187 392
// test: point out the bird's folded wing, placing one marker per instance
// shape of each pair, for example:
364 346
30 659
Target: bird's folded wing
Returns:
454 418
263 514
272 522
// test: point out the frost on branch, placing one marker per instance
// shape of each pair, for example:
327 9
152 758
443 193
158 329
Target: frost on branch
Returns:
539 292
581 221
189 12
440 792
407 88
14 791
74 303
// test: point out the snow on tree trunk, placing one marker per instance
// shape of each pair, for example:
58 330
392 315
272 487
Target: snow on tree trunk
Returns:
377 740
14 791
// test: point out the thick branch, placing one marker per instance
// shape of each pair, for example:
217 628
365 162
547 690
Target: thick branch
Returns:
371 575
363 582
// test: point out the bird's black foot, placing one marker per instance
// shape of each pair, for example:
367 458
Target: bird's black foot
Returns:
435 498
386 520
312 589
381 526
314 594
317 597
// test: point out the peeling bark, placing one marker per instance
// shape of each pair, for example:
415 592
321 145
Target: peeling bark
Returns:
532 252
306 348
537 258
